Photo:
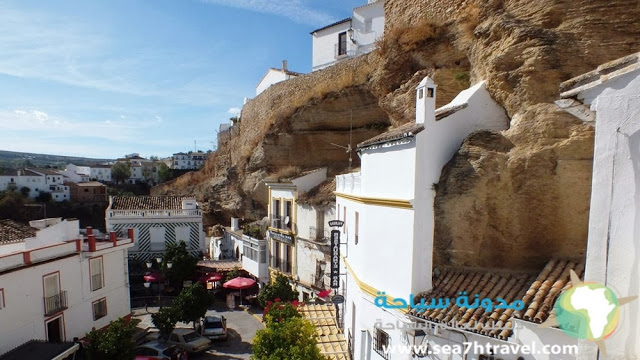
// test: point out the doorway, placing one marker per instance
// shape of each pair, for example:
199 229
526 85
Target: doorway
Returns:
55 331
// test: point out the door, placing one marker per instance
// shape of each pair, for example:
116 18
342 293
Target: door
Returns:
54 330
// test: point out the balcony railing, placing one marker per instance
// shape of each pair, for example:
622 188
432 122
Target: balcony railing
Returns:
349 183
153 213
281 222
96 282
280 264
56 303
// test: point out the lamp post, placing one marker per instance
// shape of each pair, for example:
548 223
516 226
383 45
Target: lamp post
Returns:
418 336
148 283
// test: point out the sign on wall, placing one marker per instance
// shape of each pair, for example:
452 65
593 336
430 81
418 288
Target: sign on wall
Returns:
335 259
286 238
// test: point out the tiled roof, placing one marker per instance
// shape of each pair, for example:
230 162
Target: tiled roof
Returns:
331 340
330 25
11 231
220 264
537 291
24 172
148 202
90 184
97 166
403 131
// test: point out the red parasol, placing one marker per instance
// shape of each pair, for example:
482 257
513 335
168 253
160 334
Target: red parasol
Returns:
153 277
324 293
210 278
239 283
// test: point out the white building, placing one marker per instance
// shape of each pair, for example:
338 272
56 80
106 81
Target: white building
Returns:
609 96
157 221
274 76
349 37
37 181
100 173
56 284
387 209
188 161
73 175
250 248
283 220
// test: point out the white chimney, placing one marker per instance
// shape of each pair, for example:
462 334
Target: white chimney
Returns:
235 225
284 65
426 101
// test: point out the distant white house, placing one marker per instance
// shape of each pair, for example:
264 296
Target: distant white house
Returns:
274 76
37 181
353 36
157 221
609 97
187 161
56 284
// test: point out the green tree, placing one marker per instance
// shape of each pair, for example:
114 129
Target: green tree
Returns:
192 303
165 320
280 312
120 172
25 190
278 289
44 197
12 205
164 172
294 339
183 264
113 343
232 274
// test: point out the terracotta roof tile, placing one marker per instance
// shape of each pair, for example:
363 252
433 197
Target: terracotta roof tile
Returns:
409 129
537 291
331 340
148 202
11 232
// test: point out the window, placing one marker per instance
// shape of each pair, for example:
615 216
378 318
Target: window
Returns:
95 272
1 299
342 43
99 309
356 229
429 92
420 93
157 238
381 343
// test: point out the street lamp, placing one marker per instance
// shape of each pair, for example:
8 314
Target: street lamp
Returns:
148 283
418 336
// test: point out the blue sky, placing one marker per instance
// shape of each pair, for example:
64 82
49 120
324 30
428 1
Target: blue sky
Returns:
108 78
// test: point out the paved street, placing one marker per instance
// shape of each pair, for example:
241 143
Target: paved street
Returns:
241 328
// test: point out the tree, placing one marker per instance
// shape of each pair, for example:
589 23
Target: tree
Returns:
25 190
165 320
279 289
183 264
153 158
164 172
294 339
12 205
192 303
44 197
113 343
232 274
280 312
120 172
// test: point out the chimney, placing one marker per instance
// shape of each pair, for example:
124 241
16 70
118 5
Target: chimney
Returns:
284 65
89 230
113 237
92 243
426 101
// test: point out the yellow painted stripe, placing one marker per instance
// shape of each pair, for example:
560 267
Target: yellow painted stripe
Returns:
404 204
368 289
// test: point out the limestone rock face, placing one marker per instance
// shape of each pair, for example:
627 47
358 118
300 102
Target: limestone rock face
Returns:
512 199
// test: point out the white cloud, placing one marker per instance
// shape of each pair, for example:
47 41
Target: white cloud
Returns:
295 10
234 111
158 118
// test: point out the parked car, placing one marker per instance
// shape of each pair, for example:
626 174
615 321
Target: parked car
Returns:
159 350
214 327
189 340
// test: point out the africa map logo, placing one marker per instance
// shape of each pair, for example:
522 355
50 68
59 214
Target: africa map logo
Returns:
588 311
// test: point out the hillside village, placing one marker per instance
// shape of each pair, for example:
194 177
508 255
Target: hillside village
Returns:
450 175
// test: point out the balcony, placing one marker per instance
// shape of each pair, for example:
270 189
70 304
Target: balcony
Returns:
280 264
281 223
113 214
55 304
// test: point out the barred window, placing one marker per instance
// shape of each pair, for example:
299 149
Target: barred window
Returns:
381 343
99 309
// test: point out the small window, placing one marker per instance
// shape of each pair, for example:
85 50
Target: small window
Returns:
99 309
95 271
381 343
1 299
342 43
420 93
356 229
430 92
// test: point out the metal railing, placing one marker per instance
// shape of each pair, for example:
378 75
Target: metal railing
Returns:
281 222
55 304
96 282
